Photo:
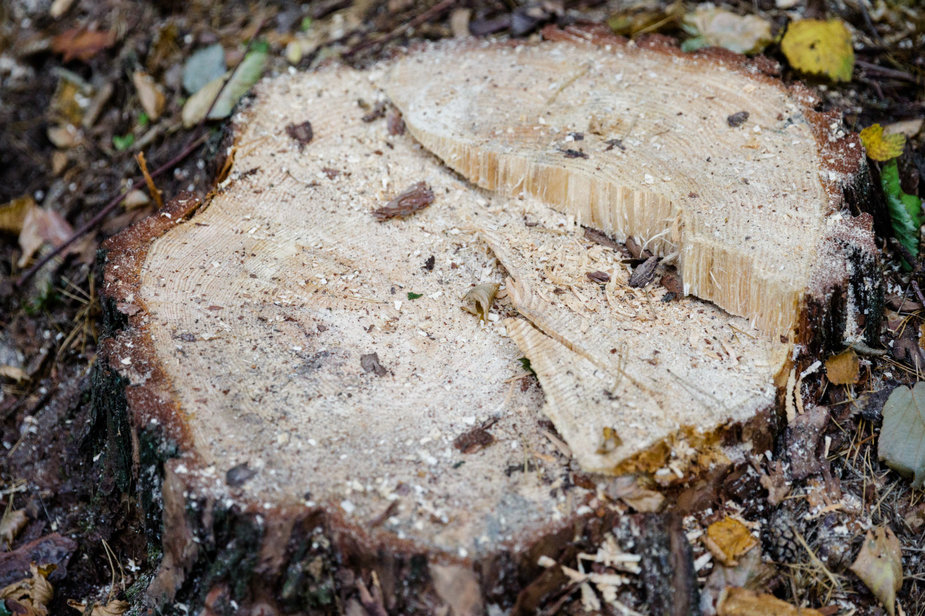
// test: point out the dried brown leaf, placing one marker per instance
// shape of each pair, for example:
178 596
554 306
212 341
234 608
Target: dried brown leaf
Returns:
41 225
13 213
475 439
776 484
407 203
879 566
741 602
598 277
82 44
115 607
11 523
728 540
149 94
628 489
13 372
844 368
63 136
32 593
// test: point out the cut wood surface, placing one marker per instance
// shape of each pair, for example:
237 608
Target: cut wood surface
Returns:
308 350
270 304
704 159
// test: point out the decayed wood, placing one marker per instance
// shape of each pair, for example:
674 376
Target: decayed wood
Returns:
337 412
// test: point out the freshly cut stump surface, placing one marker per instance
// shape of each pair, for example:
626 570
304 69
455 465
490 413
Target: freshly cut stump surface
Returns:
702 158
264 305
616 360
309 355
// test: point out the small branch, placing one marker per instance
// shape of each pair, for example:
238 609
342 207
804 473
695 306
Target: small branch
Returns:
886 72
109 207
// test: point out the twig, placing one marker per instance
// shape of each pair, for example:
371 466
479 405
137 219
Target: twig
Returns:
862 5
199 136
111 205
886 72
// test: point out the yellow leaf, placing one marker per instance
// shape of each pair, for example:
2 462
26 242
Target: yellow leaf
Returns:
880 146
13 213
844 368
729 539
879 565
820 47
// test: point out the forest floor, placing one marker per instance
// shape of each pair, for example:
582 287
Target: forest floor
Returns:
86 86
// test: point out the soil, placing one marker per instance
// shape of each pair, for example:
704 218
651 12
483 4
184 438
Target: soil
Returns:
811 505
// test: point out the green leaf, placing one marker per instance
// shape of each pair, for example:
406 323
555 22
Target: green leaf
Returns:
902 436
244 76
905 210
306 24
693 44
123 142
143 119
525 362
414 295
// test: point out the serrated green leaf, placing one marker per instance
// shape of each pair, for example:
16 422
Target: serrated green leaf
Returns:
414 295
905 210
902 436
245 75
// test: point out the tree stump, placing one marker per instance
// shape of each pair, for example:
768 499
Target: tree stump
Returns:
348 417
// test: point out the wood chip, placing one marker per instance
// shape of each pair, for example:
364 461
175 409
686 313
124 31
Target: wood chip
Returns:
370 363
407 203
301 133
644 273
